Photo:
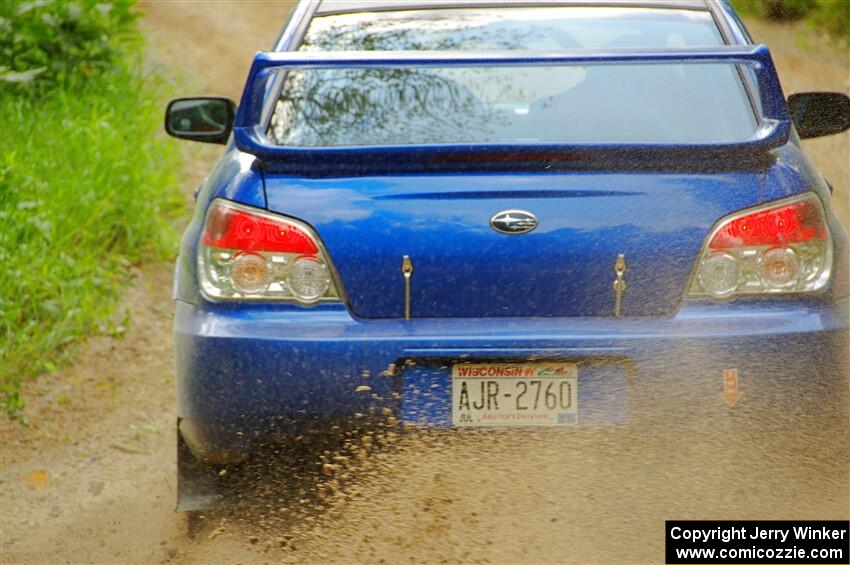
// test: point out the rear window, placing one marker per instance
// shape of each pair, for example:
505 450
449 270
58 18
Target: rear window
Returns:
666 103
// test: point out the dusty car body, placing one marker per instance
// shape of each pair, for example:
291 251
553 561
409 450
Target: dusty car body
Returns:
402 229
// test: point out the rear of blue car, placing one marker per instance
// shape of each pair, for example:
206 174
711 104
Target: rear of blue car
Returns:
461 217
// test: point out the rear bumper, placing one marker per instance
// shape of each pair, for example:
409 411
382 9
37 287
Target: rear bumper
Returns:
248 374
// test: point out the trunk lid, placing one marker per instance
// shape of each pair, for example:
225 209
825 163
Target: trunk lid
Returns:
463 268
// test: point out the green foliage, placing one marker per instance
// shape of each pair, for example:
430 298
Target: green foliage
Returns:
57 43
832 16
787 9
774 9
86 192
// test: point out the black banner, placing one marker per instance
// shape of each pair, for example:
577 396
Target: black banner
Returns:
755 541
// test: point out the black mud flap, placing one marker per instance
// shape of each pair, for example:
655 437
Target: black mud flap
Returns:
198 484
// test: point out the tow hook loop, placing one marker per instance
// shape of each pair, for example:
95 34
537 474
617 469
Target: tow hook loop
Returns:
407 273
620 284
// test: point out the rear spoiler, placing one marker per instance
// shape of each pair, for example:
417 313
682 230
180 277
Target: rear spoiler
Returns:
773 130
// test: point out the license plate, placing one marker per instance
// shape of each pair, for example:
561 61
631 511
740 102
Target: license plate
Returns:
514 394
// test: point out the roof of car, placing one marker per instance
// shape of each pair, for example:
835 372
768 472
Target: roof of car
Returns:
328 7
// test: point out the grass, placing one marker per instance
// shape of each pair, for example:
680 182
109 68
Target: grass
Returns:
87 191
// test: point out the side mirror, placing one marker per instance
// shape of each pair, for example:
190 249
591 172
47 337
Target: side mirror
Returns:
819 113
209 120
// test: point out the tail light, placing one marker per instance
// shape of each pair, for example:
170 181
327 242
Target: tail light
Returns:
250 254
782 247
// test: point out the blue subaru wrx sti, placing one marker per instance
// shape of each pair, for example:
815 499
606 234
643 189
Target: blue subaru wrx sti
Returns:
491 214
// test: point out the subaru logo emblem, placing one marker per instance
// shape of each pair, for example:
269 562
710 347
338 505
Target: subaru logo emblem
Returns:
513 222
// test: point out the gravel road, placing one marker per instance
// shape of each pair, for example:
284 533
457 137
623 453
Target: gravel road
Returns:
91 479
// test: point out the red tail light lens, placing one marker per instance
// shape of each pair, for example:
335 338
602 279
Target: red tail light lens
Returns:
230 228
249 254
792 223
782 247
